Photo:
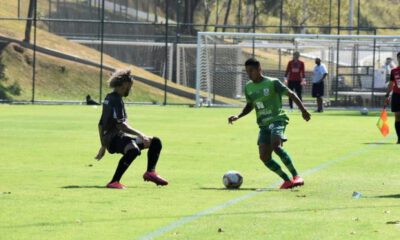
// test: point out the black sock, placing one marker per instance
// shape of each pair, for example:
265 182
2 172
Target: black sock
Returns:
153 154
290 103
124 163
397 126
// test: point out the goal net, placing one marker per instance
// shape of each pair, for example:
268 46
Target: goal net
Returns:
354 62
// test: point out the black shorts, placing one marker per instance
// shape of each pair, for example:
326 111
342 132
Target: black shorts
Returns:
119 143
318 89
295 85
395 102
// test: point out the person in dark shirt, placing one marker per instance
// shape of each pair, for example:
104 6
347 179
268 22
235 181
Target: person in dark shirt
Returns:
116 135
90 101
295 76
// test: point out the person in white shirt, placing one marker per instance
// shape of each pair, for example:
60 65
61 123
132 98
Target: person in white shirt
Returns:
319 74
388 66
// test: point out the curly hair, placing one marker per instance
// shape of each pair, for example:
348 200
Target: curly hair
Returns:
119 77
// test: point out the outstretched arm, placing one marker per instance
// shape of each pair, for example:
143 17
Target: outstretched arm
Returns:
296 99
246 110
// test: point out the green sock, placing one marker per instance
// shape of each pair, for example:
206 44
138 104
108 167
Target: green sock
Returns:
273 166
286 160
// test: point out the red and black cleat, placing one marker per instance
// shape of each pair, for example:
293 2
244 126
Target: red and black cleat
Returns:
155 178
115 185
297 181
287 185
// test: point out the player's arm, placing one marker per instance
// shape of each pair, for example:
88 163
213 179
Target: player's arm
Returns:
287 72
302 73
388 91
323 77
100 127
126 128
246 110
299 103
302 70
102 150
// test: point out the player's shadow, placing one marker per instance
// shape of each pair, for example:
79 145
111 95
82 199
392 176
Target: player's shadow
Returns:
82 186
379 143
387 196
239 189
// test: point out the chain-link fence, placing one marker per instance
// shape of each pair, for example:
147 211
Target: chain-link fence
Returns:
65 50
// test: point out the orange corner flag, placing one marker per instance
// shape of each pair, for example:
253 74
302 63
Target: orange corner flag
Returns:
383 124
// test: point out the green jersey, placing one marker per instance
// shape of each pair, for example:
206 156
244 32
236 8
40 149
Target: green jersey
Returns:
266 98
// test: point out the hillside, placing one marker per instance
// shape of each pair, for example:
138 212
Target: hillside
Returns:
382 13
15 29
58 79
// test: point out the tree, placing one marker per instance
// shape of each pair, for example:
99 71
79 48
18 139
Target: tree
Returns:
228 9
31 14
188 14
207 13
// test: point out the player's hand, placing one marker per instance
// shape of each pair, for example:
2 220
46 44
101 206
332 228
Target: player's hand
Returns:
303 82
101 153
231 119
306 115
146 140
285 81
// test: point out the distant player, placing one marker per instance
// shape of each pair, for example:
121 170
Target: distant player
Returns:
115 133
295 76
388 66
394 86
265 95
319 74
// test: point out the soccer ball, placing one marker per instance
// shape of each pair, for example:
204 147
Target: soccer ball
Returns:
232 179
364 111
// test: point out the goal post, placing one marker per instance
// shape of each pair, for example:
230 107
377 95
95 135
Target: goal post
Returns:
354 63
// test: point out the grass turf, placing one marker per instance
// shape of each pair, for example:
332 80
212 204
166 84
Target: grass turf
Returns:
50 186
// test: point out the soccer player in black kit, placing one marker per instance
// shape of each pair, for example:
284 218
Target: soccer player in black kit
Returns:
116 134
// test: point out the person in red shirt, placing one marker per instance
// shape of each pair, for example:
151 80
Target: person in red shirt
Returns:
295 77
394 86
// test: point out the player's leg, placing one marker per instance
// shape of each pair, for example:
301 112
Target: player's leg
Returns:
396 109
277 138
291 87
153 155
320 100
299 89
130 151
265 152
314 94
319 104
397 125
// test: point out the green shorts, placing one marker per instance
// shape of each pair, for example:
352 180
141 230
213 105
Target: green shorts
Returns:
274 129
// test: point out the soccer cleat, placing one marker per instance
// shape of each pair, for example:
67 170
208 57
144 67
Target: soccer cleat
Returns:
287 185
115 185
297 181
155 178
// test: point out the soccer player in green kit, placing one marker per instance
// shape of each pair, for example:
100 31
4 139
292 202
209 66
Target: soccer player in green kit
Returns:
265 95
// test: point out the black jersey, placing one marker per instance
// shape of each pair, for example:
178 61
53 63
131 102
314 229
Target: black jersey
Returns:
113 113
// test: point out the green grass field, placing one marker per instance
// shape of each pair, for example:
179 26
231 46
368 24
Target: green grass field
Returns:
52 188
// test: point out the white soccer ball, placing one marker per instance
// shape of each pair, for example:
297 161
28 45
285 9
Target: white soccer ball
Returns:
232 179
364 111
